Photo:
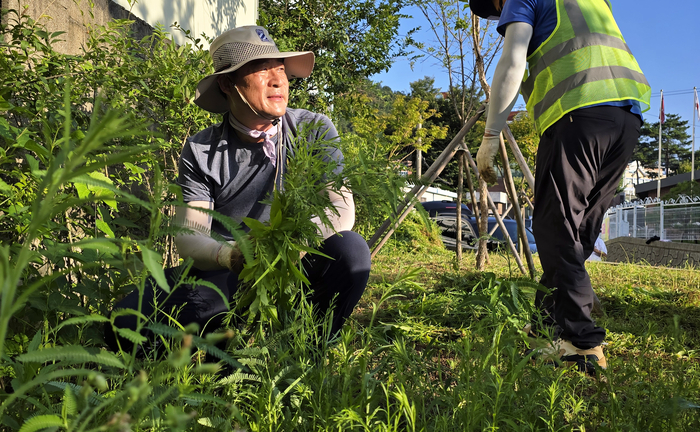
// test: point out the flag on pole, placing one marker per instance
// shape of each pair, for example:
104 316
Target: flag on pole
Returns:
662 115
697 104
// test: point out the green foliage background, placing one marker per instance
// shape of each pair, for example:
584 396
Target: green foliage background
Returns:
88 147
675 146
88 151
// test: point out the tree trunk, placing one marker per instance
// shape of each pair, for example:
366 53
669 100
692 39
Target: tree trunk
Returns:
419 157
482 257
460 191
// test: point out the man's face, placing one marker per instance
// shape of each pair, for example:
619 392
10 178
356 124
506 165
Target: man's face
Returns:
264 85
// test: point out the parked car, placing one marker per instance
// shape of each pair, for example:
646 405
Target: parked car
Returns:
512 227
444 213
436 208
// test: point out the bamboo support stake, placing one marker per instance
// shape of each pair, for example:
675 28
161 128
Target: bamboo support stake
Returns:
528 201
522 216
499 220
430 175
510 186
519 157
482 254
470 184
495 227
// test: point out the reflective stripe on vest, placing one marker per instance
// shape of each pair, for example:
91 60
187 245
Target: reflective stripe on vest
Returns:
580 80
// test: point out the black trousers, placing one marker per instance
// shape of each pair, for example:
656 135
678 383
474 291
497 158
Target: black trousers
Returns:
338 282
580 161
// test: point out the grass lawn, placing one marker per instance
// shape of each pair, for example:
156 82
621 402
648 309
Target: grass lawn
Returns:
431 347
458 352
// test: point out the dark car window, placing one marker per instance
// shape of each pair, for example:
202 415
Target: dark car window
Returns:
435 208
512 228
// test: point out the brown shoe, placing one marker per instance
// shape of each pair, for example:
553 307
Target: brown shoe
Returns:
564 352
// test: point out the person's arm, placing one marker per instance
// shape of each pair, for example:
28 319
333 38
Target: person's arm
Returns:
342 200
206 252
344 220
504 92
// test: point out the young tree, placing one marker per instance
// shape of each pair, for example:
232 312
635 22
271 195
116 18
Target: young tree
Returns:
387 124
452 49
675 143
379 132
465 51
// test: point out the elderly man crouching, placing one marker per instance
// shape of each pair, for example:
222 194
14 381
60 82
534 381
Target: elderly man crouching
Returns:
233 168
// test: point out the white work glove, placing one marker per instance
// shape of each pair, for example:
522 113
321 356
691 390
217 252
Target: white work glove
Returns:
484 158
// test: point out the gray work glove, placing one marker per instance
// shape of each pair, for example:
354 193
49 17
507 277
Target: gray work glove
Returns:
484 158
230 256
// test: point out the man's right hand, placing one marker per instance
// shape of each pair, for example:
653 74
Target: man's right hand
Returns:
484 158
230 256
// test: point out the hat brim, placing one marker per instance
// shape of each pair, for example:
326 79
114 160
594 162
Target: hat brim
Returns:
484 9
210 97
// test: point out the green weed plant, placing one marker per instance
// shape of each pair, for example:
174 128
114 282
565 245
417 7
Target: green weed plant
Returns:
87 196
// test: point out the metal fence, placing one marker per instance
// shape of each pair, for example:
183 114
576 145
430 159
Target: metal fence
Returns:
672 220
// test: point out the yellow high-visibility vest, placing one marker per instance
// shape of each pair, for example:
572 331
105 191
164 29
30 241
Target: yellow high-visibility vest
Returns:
585 61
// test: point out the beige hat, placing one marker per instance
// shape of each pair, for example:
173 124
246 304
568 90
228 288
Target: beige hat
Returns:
236 47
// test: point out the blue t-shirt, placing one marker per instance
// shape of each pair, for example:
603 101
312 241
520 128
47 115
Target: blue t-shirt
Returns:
542 16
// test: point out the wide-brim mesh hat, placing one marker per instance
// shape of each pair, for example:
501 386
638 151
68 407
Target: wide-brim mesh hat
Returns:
236 47
484 9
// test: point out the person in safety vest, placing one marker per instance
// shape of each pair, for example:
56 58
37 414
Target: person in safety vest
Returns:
586 94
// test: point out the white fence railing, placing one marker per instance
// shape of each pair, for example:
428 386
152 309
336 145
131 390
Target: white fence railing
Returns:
672 220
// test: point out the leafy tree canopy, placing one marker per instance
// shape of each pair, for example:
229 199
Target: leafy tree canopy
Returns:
351 39
425 89
387 122
674 145
450 119
689 188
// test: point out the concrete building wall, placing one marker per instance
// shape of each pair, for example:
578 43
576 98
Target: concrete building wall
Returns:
211 17
75 16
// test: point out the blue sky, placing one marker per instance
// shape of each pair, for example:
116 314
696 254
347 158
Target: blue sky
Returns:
663 35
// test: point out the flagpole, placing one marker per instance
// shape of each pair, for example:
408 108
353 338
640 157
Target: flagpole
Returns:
658 166
692 155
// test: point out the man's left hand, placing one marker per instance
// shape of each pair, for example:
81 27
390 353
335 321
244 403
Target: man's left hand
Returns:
484 158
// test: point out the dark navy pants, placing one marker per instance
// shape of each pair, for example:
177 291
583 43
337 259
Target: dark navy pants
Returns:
338 282
580 160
